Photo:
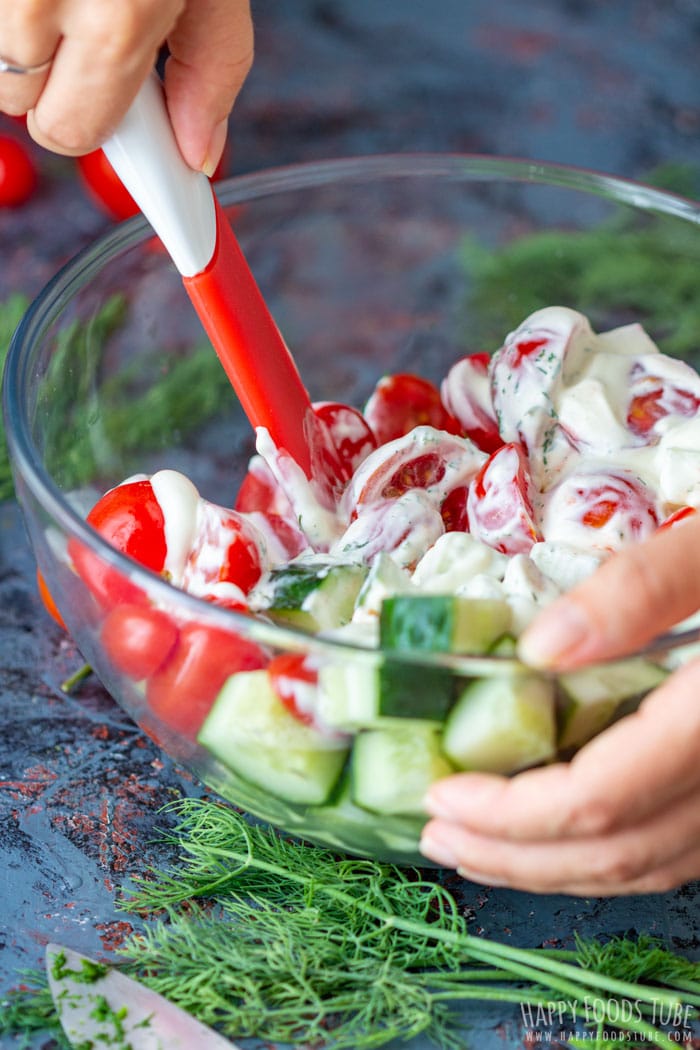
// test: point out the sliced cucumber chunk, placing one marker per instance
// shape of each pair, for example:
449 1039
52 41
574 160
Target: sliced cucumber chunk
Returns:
443 623
590 697
252 732
317 596
503 724
392 769
356 695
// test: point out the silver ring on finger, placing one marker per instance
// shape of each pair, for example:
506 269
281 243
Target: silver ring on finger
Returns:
8 66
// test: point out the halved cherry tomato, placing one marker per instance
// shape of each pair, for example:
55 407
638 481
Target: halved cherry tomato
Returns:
18 174
466 394
422 459
678 515
647 408
454 510
620 507
47 599
225 550
290 677
105 187
137 639
130 518
500 503
183 689
349 432
403 401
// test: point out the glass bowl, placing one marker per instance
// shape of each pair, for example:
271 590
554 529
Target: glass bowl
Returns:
370 266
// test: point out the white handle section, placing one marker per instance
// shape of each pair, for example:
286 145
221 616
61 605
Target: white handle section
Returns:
177 201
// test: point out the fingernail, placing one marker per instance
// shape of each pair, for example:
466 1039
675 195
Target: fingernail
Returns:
553 634
435 847
215 148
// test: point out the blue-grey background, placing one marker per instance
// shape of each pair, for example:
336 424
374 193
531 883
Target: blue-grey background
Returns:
604 85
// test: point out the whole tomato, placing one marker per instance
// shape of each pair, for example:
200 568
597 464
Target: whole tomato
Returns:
130 518
105 187
18 175
183 689
137 639
403 401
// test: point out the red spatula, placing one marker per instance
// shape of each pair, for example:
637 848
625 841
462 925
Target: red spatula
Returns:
181 206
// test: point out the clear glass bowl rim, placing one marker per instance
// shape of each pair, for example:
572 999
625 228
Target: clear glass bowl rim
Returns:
77 272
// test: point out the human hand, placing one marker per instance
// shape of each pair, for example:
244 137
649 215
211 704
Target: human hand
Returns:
623 816
102 52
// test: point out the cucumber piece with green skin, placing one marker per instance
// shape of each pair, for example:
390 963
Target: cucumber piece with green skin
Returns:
503 724
391 769
317 596
250 730
355 695
433 623
590 697
443 623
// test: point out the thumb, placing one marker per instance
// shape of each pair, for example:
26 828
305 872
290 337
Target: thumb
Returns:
635 595
211 53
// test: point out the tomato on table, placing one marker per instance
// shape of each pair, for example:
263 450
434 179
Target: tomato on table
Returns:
129 517
105 187
181 692
137 639
18 173
403 401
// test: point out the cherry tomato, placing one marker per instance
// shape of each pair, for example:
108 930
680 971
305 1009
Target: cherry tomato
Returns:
225 550
349 432
18 175
500 503
47 599
454 510
466 394
403 401
183 689
647 408
105 187
620 508
137 639
425 459
678 515
130 518
260 491
290 677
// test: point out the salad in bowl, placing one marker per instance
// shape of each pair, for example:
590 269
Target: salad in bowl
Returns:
320 649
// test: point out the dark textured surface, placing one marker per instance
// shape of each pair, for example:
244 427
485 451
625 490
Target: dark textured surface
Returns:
587 82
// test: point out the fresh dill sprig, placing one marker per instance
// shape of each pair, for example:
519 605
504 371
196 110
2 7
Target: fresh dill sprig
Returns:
92 422
11 312
292 943
609 272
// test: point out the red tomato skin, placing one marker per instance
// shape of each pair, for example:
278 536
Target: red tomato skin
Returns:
18 174
105 187
499 504
454 510
183 689
678 515
47 599
137 639
403 401
350 434
283 671
129 517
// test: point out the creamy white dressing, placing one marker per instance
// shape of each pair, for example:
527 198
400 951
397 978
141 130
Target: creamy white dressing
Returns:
179 502
612 447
